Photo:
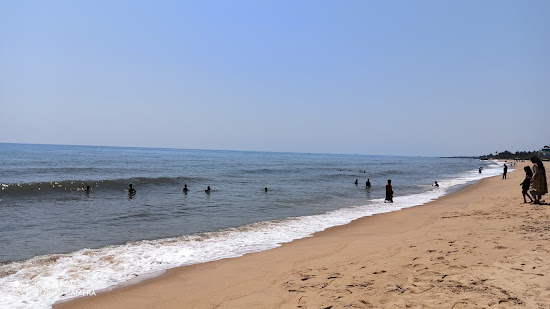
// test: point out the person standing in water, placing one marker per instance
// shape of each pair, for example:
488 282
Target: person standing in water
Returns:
185 189
131 191
389 192
367 184
207 190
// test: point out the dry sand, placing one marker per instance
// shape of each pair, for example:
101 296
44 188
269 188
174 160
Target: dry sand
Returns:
477 248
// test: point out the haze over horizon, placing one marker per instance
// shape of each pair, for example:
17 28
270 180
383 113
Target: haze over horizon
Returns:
244 150
422 78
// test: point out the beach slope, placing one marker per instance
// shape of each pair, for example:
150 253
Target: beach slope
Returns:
480 247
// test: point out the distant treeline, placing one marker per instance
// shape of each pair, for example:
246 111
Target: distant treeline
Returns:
519 155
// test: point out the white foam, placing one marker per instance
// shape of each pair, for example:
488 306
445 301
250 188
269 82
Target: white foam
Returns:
41 281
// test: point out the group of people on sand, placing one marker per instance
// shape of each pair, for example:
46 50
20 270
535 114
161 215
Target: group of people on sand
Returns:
534 182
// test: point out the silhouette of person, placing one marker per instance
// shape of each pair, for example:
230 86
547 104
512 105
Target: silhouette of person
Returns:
526 184
480 169
185 189
265 189
389 192
88 190
131 190
356 182
539 185
436 184
367 184
528 172
207 190
505 171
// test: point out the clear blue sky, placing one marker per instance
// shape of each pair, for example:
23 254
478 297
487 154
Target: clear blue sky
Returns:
369 77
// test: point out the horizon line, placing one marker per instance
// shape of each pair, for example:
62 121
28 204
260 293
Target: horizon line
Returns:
235 150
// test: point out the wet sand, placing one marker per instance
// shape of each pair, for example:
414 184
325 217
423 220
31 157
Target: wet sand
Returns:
480 247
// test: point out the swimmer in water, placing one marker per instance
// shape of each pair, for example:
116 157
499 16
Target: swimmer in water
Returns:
131 190
185 189
436 184
207 190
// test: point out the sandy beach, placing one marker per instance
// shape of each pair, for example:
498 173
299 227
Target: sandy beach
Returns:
480 247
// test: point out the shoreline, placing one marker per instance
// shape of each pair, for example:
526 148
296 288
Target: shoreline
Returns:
418 256
47 279
145 278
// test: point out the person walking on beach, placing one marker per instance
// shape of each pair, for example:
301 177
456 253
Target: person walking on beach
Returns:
526 183
389 192
539 186
367 184
505 171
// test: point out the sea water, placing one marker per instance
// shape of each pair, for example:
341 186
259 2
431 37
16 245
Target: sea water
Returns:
59 242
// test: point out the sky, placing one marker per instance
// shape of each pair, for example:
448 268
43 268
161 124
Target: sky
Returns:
420 78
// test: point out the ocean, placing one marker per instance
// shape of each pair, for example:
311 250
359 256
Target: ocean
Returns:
59 242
